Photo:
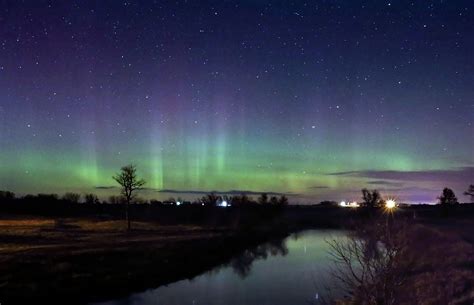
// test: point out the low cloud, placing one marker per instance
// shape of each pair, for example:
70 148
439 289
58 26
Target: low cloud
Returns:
414 189
230 192
385 183
105 187
116 187
456 174
198 192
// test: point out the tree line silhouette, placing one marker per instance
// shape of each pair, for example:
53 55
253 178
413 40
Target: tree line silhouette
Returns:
75 204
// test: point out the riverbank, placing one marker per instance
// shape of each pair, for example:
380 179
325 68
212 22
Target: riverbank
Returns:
431 262
442 252
83 260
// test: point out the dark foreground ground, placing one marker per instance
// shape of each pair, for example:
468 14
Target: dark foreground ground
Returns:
76 260
443 255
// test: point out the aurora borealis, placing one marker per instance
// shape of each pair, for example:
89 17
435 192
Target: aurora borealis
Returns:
313 99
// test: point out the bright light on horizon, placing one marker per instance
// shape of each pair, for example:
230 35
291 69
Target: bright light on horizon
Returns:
352 204
390 204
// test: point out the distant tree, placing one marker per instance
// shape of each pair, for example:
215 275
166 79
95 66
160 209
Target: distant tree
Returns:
6 195
116 199
72 197
52 197
210 199
128 180
245 199
155 202
274 200
371 199
448 197
470 192
263 199
138 200
227 199
91 199
48 198
328 203
170 200
235 200
283 201
241 200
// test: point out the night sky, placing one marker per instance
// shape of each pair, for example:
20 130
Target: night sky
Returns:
314 99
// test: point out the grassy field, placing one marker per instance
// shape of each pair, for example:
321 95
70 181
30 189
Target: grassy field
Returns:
20 235
85 259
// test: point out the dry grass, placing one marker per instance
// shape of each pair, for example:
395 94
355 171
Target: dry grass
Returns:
30 223
443 272
23 236
40 257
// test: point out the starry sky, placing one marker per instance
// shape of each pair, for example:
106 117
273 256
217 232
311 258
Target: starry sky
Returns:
313 99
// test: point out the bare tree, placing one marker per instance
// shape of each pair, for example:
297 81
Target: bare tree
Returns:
241 200
91 198
263 199
372 199
369 264
470 192
274 201
6 195
283 201
116 199
129 182
210 199
72 197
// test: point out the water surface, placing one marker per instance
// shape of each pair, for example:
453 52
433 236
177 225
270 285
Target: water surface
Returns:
291 271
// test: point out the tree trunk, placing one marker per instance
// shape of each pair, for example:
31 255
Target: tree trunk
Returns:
127 216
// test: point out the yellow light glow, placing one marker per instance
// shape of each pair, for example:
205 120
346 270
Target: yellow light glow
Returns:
353 204
390 204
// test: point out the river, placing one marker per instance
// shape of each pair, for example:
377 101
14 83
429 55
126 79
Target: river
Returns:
291 271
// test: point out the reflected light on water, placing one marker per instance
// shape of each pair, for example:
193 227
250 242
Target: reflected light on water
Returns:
290 271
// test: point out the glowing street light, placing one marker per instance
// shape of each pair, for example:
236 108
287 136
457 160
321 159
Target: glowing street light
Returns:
390 204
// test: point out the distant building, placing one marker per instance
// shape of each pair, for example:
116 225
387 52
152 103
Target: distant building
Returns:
352 204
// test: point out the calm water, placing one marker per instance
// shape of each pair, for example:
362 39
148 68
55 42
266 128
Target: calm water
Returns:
288 272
